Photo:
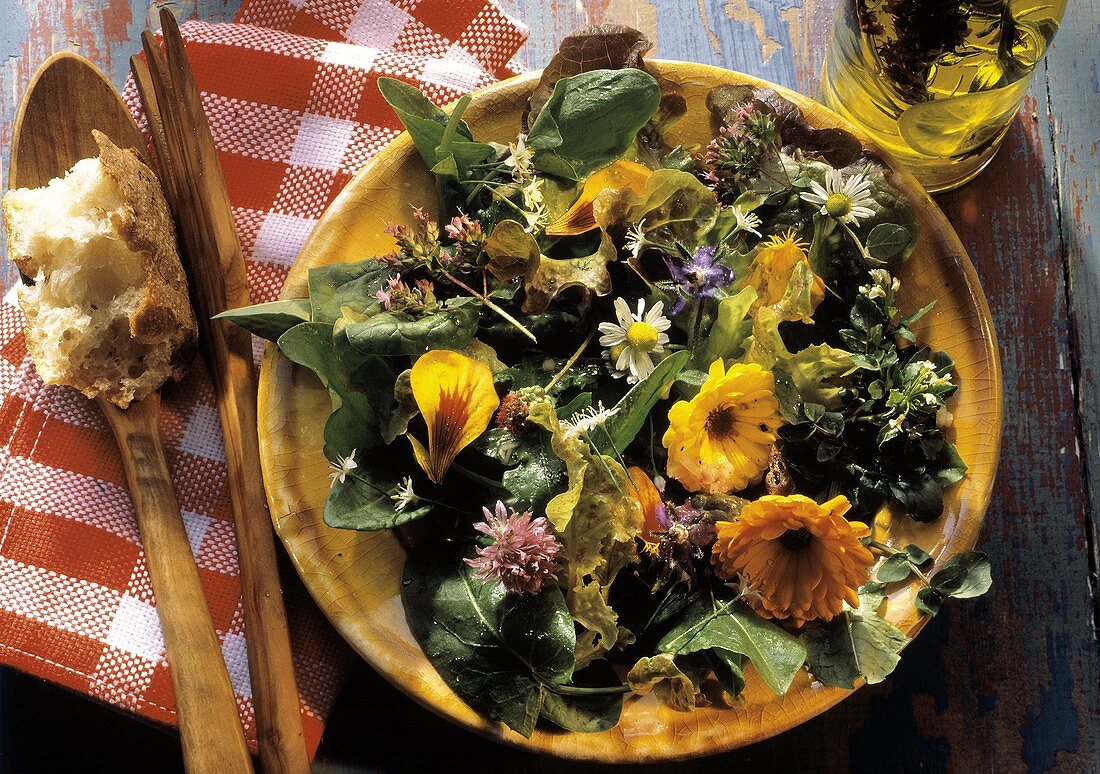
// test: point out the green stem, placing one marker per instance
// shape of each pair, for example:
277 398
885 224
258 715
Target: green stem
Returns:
696 324
484 480
571 361
891 551
452 125
489 303
579 690
867 257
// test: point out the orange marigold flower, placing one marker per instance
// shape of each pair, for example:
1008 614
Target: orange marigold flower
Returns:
456 397
804 559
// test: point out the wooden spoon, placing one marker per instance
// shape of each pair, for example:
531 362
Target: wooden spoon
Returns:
67 98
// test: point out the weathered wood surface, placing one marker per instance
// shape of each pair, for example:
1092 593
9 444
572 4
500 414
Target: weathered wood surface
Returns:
1007 683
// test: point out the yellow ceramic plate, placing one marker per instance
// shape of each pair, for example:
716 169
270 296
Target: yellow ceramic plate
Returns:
355 576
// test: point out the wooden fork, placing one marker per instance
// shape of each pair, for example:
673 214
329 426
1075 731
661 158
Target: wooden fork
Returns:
215 266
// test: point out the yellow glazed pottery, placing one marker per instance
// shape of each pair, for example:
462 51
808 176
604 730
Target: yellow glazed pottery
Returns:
355 577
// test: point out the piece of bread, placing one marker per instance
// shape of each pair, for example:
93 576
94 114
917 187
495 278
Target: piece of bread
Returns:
108 312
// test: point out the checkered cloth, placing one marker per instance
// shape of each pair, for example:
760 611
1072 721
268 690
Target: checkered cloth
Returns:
291 93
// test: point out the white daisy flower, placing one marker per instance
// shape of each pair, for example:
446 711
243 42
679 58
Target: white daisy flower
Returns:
843 200
519 158
635 239
637 341
342 467
746 221
404 496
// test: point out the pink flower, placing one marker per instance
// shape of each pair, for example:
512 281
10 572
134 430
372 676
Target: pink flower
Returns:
463 228
394 286
523 555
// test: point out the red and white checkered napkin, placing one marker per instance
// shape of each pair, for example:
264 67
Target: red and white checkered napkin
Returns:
291 93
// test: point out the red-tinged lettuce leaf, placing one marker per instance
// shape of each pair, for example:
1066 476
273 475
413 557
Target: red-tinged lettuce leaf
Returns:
601 47
837 146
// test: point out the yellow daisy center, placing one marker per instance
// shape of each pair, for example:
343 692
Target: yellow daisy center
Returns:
838 205
641 336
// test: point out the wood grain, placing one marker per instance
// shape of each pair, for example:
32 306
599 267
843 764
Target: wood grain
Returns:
1009 683
216 269
210 728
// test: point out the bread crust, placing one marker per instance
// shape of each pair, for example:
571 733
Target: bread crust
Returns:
146 227
158 317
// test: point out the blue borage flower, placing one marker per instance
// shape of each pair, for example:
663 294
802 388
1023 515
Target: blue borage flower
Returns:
702 278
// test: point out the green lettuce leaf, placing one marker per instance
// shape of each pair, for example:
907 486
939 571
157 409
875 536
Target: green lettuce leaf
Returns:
498 651
662 672
271 320
339 285
729 330
394 333
553 276
714 621
632 410
814 370
596 520
674 205
856 644
590 121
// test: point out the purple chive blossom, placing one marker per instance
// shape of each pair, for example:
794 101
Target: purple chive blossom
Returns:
686 533
701 278
523 555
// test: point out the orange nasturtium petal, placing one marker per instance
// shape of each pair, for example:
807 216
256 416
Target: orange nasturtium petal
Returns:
580 218
649 497
456 397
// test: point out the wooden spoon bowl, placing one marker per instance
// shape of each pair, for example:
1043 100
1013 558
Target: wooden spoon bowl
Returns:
68 98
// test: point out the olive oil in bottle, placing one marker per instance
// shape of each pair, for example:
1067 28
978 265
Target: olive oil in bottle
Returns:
936 82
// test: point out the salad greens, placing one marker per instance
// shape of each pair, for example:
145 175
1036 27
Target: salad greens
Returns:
635 407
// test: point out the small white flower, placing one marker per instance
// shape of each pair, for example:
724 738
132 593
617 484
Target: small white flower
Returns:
404 496
587 420
519 158
929 399
637 341
746 592
875 291
880 276
746 221
342 467
536 219
635 239
659 482
896 422
532 194
944 418
843 200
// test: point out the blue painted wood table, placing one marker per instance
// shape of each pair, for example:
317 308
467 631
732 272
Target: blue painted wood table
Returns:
1008 683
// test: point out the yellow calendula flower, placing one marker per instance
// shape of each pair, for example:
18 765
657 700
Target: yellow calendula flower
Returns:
719 441
803 560
456 397
774 266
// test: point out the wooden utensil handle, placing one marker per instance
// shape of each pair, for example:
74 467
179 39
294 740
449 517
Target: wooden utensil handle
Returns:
210 727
